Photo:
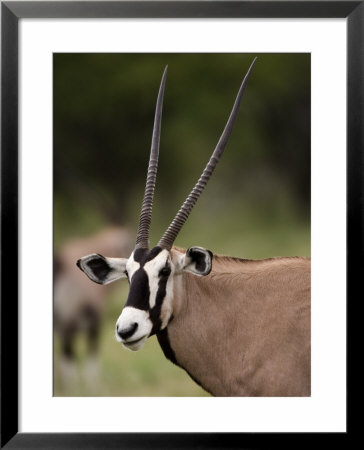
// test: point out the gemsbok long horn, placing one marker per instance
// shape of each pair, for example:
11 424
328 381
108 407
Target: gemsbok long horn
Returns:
174 228
142 240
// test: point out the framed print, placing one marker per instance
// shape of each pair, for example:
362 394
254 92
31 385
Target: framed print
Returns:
79 85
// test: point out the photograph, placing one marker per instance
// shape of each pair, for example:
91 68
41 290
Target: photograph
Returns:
180 217
181 224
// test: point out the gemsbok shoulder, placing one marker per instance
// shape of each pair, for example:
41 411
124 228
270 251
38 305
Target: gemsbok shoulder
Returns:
238 327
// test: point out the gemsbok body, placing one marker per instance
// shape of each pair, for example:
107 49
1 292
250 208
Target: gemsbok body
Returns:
238 327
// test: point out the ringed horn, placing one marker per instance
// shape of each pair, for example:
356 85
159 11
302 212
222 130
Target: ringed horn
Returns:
142 240
179 220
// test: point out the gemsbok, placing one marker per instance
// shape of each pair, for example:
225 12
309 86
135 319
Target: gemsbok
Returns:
238 327
79 306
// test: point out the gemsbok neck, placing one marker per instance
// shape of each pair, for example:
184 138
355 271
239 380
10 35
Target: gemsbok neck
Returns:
234 319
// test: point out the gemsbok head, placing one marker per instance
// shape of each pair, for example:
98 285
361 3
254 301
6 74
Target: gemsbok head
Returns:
238 327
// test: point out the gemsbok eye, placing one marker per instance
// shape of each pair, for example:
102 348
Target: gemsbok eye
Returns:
165 271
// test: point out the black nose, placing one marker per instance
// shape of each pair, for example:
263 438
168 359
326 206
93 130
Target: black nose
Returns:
126 333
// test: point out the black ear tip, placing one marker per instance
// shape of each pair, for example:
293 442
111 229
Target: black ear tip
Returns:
78 263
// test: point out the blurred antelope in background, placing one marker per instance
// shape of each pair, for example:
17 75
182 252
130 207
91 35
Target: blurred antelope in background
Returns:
238 327
78 304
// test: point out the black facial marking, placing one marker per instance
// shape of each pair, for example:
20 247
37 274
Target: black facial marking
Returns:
155 312
139 291
139 254
165 272
152 254
99 267
143 255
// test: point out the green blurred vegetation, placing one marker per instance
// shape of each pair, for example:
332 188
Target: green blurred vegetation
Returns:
256 205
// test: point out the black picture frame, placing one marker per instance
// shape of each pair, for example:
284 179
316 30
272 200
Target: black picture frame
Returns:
11 12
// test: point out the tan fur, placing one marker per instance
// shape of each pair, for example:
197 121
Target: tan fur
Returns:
244 330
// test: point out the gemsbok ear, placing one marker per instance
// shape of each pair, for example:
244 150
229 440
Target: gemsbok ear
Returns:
198 261
103 270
